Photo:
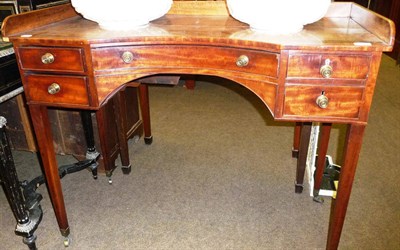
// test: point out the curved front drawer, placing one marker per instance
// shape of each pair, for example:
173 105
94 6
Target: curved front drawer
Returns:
71 89
181 56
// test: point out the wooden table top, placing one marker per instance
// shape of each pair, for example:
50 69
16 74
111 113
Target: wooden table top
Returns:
346 26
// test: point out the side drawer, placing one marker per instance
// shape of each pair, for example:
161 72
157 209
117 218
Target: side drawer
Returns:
343 102
346 66
71 89
52 59
181 56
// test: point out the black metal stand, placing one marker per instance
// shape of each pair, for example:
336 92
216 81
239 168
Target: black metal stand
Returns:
22 197
91 153
28 217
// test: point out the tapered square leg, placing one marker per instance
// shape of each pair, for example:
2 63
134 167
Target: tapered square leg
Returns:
302 157
352 150
41 125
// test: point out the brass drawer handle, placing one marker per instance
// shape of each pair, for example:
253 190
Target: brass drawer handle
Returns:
242 61
47 58
322 101
127 57
326 69
54 88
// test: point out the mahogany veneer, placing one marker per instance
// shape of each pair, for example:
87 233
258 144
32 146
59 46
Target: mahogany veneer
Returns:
326 73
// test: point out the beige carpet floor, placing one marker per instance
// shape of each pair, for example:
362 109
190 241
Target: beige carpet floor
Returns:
219 175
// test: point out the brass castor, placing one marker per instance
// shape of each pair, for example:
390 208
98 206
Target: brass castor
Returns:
67 241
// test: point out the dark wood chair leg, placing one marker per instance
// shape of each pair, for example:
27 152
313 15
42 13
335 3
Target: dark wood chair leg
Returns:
190 84
145 110
302 157
296 140
108 154
120 117
320 165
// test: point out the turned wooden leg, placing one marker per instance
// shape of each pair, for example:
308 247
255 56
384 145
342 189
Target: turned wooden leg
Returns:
120 117
352 150
296 140
145 110
322 150
302 156
41 125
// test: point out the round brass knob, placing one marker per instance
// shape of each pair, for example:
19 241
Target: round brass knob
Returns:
322 101
54 88
242 61
47 58
127 57
326 70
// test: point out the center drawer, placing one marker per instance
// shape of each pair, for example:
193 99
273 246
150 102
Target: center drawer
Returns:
181 56
53 89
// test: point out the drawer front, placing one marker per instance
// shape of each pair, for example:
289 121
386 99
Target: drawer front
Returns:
346 66
43 88
343 102
179 56
52 59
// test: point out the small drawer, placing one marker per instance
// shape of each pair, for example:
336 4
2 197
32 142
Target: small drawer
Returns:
52 59
328 66
178 57
323 101
57 89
